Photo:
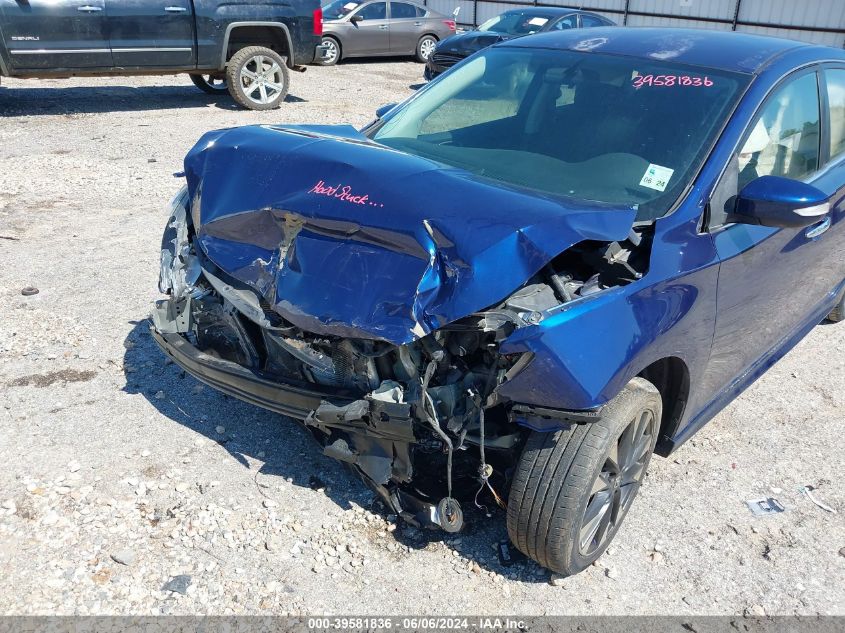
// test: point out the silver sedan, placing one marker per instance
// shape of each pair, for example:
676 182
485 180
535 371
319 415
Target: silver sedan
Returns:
381 28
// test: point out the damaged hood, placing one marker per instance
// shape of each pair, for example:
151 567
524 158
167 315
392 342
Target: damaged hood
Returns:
342 236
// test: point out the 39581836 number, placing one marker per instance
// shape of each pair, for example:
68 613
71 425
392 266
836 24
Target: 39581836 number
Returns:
669 81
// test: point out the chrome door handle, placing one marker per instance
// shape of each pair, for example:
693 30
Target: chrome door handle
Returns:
817 229
89 9
417 23
382 27
175 9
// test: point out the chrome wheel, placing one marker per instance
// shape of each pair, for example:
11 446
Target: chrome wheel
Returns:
427 47
262 80
332 51
616 485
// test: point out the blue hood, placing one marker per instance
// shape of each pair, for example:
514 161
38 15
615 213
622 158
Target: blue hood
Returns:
342 236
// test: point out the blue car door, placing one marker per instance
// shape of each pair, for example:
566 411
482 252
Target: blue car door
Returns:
774 282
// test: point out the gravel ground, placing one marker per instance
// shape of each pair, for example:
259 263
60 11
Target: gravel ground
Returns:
129 488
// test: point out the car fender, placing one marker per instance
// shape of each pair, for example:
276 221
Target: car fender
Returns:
276 25
586 351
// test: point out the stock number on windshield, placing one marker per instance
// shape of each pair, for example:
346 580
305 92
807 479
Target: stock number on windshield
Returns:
671 80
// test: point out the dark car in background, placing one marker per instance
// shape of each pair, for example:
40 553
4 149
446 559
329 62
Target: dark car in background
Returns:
505 26
241 46
381 28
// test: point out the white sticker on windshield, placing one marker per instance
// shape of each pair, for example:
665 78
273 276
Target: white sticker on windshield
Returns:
350 5
656 177
538 21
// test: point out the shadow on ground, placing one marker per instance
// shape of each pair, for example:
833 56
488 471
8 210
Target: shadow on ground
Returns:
44 100
288 451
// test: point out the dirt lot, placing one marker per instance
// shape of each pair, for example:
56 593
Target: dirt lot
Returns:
120 474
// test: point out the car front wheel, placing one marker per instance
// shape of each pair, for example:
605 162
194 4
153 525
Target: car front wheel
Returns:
257 78
425 47
573 488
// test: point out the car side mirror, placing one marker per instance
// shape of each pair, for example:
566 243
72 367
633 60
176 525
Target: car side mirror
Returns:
356 18
380 112
780 202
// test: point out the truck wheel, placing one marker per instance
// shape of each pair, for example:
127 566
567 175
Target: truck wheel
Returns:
425 47
210 84
333 49
257 78
573 488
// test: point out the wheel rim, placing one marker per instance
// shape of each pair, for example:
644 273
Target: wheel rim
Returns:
616 485
262 79
214 82
426 47
331 49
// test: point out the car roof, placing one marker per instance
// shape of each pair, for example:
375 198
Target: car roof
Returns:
547 11
724 50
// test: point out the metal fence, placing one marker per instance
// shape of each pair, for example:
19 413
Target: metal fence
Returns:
817 21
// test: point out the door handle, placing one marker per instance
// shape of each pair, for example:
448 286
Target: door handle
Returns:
89 9
175 9
818 229
382 27
417 23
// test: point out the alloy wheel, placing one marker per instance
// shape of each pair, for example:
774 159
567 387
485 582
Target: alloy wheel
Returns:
215 83
426 48
331 51
616 484
262 80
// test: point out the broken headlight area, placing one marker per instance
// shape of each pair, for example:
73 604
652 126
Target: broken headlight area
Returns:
421 422
408 418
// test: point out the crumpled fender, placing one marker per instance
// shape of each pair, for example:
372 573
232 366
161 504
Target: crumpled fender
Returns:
345 237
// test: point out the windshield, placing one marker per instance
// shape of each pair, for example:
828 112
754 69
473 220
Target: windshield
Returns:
339 8
612 129
515 23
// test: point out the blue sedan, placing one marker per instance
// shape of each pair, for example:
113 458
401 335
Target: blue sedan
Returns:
569 252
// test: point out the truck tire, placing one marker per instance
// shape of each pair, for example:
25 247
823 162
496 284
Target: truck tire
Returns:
334 51
211 84
425 47
573 488
257 78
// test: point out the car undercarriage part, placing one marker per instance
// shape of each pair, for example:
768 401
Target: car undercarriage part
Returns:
421 422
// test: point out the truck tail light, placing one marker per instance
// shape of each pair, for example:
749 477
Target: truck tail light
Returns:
318 21
450 24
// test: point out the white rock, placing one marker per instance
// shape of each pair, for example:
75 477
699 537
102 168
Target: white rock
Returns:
269 503
124 556
73 466
145 453
558 580
182 486
159 395
220 429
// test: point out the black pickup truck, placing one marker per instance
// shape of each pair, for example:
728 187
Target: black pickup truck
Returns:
243 46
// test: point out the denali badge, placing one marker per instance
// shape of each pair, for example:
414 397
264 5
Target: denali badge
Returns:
25 38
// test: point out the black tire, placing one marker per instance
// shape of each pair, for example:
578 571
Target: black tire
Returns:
557 473
335 45
211 84
247 61
838 313
424 47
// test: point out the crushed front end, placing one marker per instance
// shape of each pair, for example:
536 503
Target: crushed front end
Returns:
420 422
